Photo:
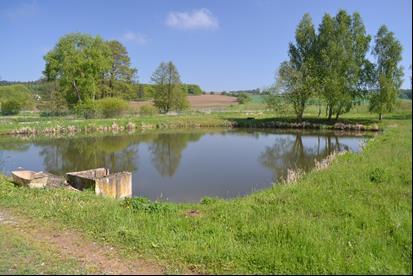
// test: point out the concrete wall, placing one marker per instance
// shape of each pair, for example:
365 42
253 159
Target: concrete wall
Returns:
85 179
118 185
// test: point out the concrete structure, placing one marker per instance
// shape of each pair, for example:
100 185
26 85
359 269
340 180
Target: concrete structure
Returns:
117 185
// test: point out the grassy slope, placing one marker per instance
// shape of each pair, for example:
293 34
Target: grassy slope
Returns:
354 217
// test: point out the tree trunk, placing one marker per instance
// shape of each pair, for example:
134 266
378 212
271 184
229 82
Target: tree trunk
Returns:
77 91
330 113
337 115
300 117
380 116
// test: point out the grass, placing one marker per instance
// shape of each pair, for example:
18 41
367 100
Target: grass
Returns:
18 255
355 217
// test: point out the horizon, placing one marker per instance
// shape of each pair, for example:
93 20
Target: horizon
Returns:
214 44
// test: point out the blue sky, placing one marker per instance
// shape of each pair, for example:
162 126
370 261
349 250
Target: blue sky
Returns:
220 45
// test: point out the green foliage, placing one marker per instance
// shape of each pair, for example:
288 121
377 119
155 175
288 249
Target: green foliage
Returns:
10 107
389 73
343 70
168 94
118 80
55 106
296 78
148 109
111 107
276 103
243 98
87 109
78 62
192 89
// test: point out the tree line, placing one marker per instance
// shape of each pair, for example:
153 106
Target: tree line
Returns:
331 65
87 68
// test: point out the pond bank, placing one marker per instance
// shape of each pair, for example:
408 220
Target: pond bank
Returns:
160 122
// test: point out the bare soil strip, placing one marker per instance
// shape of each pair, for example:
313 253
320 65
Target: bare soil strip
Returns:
102 259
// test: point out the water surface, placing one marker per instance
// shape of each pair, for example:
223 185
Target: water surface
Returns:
181 165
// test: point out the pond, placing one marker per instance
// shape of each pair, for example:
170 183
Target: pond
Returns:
181 165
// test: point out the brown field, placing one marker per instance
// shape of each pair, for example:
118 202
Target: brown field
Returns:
198 101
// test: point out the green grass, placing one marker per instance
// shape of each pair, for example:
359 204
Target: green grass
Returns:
354 217
18 255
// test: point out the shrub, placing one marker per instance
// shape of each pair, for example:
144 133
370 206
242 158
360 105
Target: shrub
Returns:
87 109
111 107
243 98
148 109
10 107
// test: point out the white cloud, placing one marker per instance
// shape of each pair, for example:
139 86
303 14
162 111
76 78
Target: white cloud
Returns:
136 38
196 19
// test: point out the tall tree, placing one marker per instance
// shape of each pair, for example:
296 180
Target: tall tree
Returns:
168 94
389 73
296 77
343 68
120 71
78 62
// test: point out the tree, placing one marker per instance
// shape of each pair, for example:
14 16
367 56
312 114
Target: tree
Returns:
78 62
296 77
193 89
388 52
342 67
168 94
120 72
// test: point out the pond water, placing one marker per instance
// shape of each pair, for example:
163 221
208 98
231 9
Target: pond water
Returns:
181 165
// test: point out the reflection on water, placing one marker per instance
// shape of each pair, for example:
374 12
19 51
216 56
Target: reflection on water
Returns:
181 165
295 152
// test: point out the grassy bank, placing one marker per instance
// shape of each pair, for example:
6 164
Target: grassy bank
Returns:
355 217
244 116
257 120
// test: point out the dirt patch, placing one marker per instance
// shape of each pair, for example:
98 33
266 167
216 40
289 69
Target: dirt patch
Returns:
193 213
211 100
197 101
100 258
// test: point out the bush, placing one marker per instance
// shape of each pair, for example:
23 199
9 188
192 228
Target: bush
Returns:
87 109
148 110
243 98
10 107
111 107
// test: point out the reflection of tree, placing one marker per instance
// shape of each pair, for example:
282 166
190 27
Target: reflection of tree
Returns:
167 148
291 153
13 144
113 152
